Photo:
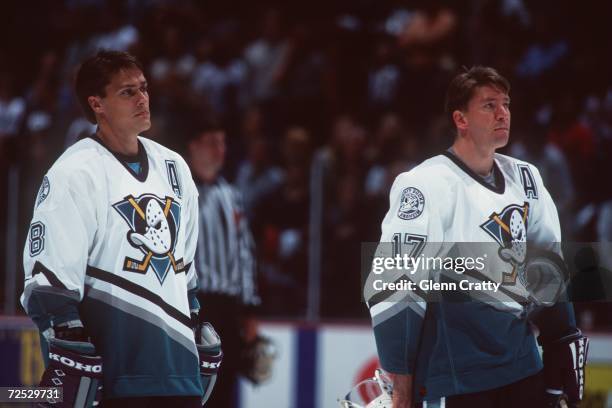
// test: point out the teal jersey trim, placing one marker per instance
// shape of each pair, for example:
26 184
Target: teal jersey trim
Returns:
139 358
134 166
469 347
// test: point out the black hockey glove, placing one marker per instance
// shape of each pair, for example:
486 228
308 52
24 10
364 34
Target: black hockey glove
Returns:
564 368
74 366
208 343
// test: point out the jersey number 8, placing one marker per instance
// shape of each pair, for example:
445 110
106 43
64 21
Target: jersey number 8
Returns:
37 238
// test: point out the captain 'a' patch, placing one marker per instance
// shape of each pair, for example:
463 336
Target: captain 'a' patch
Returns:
528 181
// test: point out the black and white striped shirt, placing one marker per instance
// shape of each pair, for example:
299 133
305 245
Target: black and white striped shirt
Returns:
225 252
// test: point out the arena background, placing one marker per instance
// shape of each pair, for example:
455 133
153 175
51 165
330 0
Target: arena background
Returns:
324 104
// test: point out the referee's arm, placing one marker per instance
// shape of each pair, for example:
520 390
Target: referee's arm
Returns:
248 266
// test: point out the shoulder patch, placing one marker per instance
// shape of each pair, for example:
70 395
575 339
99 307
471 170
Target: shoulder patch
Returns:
43 192
528 181
412 204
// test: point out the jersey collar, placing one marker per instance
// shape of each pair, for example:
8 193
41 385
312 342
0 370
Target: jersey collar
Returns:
500 181
141 157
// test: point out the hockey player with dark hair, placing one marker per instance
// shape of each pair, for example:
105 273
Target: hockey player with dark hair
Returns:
479 353
109 273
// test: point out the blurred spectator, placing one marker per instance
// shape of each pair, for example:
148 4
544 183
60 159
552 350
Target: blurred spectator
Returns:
543 55
553 167
384 78
170 77
118 34
220 74
428 34
252 126
12 108
426 43
38 144
348 142
257 177
300 80
345 221
345 228
266 59
396 151
280 225
576 141
174 65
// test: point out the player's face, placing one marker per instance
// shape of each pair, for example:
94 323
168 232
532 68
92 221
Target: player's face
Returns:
488 117
126 104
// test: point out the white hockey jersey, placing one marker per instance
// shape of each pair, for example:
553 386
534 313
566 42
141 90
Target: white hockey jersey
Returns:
114 248
461 347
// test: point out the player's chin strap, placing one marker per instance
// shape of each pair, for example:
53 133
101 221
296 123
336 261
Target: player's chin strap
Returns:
209 351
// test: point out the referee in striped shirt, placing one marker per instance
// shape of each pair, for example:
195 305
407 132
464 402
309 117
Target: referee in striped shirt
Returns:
224 257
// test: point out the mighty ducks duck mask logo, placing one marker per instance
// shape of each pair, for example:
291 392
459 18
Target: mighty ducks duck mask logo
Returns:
154 224
509 229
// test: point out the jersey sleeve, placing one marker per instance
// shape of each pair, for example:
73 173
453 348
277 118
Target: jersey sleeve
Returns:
412 226
191 237
56 251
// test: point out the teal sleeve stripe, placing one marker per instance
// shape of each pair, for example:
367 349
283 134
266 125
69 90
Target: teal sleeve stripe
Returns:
397 340
51 306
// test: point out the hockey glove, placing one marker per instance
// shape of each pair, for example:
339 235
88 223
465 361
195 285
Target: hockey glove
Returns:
74 366
209 351
564 368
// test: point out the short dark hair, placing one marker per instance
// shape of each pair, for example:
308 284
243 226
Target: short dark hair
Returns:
96 72
462 87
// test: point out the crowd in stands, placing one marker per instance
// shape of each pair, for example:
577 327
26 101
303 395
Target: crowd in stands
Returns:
324 104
